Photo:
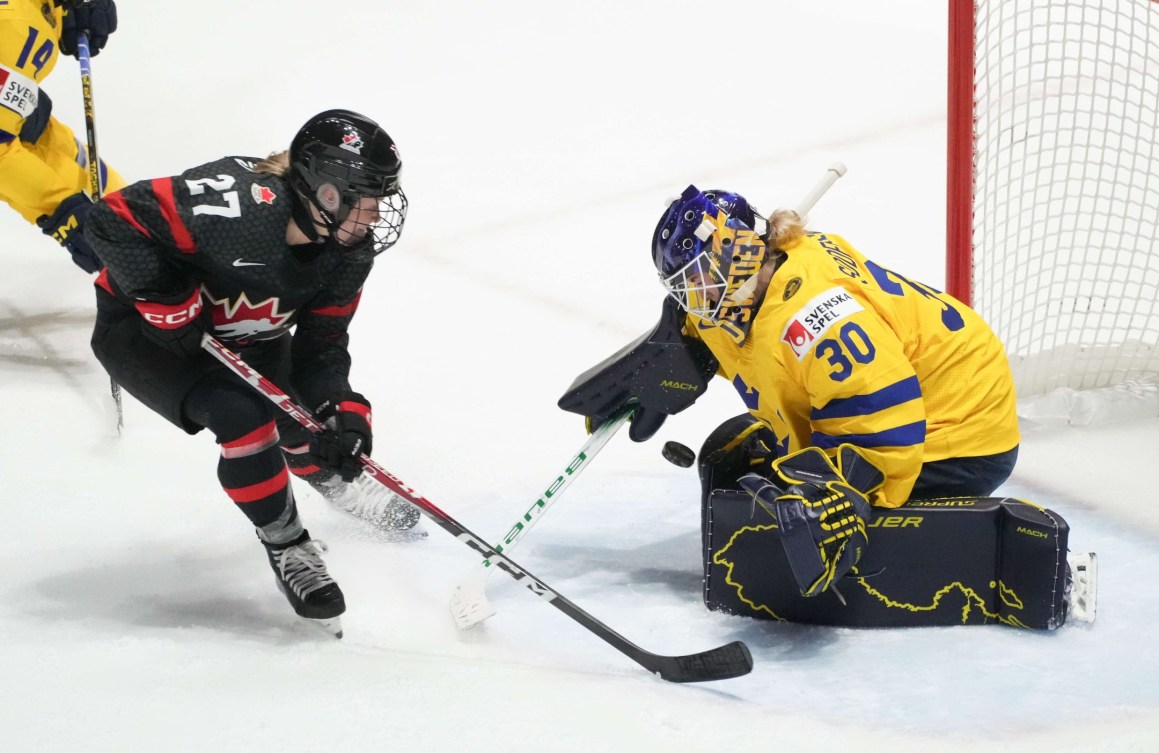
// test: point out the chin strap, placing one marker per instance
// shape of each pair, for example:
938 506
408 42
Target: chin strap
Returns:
301 216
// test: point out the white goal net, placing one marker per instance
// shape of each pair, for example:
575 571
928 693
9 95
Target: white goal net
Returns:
1065 205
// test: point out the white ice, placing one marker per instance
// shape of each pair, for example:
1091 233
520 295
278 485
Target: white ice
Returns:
541 141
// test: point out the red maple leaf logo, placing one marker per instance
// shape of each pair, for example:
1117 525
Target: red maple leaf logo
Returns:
352 142
262 195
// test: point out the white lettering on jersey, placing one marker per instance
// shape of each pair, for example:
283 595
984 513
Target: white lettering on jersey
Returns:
18 92
816 317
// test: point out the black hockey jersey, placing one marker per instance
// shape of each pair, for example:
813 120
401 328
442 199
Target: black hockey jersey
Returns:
220 228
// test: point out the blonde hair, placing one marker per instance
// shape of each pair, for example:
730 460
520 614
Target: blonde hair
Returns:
278 163
785 226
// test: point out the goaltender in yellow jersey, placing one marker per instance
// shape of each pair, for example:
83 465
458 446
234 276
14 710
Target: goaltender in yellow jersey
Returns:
843 350
43 168
864 388
827 347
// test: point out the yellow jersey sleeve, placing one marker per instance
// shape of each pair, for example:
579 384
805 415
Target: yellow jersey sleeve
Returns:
29 32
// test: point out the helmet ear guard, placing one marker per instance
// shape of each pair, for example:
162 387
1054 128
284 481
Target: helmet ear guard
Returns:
329 199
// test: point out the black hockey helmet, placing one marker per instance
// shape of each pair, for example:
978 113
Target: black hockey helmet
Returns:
338 160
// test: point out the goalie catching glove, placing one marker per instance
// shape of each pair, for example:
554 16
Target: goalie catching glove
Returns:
346 436
821 515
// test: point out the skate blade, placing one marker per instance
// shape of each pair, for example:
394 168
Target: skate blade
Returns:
332 626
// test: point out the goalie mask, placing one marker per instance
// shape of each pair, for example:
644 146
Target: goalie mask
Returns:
344 170
706 249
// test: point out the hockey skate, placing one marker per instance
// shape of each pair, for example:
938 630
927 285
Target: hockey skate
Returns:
301 575
371 502
1081 582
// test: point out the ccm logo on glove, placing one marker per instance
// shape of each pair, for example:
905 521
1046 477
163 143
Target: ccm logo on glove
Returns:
171 317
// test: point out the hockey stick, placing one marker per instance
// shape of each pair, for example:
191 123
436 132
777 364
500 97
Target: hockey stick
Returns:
94 165
832 173
720 663
469 604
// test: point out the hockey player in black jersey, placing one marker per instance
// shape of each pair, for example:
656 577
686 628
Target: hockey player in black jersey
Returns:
269 256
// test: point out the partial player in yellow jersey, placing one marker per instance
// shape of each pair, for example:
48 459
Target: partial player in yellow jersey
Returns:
862 385
43 167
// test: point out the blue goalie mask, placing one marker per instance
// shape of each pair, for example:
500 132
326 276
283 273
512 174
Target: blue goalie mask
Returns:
706 248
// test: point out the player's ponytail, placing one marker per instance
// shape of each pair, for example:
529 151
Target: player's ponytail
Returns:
277 163
785 226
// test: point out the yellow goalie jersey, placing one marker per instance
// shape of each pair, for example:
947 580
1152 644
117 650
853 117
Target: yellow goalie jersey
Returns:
41 162
844 350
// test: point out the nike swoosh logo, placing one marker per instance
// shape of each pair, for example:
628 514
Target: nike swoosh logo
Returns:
240 263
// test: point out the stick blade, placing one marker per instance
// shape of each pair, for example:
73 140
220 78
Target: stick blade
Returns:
469 603
721 663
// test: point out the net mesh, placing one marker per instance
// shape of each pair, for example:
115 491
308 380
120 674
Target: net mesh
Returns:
1066 188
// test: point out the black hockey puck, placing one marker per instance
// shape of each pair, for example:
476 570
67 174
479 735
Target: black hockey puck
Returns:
678 454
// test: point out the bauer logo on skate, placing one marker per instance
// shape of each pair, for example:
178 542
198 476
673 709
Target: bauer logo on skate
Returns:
816 317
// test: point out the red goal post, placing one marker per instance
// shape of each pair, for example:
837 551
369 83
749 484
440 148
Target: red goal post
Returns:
1053 186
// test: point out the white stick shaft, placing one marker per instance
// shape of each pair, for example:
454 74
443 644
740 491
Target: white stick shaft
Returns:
835 171
469 603
595 443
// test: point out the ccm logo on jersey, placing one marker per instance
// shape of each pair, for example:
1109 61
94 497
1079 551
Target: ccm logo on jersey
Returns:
816 317
18 92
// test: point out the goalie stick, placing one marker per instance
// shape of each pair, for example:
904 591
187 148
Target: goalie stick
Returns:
720 663
469 603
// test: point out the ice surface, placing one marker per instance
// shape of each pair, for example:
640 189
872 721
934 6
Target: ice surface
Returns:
540 141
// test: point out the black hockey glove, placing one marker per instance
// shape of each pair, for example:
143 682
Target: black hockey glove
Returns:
96 18
65 226
176 323
645 423
821 515
346 436
642 426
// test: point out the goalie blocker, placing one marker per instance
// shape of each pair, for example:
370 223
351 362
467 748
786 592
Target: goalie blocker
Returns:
661 372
